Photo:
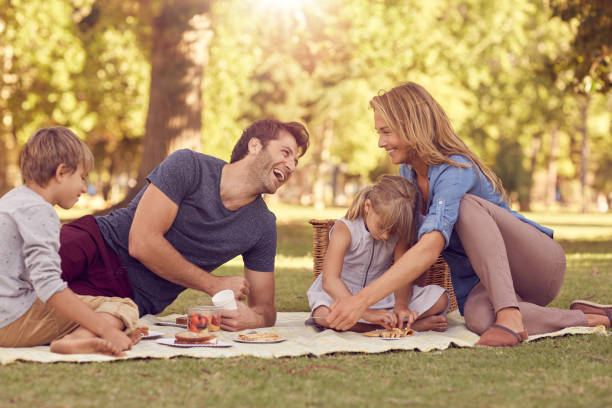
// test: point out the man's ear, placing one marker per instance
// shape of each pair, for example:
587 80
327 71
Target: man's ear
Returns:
255 145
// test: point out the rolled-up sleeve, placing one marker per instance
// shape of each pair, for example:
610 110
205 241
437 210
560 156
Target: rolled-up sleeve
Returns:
447 191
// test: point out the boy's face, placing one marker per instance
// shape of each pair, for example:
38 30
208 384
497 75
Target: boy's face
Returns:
71 186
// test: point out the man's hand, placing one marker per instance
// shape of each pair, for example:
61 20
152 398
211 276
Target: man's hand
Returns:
239 284
241 318
382 317
345 312
403 313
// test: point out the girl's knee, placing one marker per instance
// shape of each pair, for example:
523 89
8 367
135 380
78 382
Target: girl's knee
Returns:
477 322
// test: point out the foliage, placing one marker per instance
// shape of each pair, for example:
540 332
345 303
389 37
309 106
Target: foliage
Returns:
591 55
500 70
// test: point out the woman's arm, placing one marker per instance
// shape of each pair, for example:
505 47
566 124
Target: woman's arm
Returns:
346 312
339 242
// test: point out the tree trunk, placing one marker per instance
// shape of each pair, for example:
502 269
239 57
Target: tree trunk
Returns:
181 34
551 172
536 144
322 160
584 151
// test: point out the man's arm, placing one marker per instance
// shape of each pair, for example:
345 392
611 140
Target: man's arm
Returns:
153 218
260 312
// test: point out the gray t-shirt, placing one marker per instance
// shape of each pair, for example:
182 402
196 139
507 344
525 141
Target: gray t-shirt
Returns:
205 232
29 260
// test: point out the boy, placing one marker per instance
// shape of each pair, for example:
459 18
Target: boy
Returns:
36 305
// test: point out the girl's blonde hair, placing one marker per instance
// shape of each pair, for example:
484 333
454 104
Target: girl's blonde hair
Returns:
395 200
411 112
49 147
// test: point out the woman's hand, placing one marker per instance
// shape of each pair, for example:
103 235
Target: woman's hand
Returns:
381 317
345 312
403 313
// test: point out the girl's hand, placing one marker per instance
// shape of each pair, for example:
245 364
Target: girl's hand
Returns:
345 312
403 313
382 317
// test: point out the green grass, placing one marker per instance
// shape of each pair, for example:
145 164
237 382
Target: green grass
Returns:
561 372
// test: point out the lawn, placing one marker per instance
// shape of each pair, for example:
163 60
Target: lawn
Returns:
561 372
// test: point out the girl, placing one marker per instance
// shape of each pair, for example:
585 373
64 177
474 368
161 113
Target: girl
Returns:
378 227
505 268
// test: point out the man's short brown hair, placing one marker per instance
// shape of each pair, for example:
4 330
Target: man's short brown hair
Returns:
49 147
266 130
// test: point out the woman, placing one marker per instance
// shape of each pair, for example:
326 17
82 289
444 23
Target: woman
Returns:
505 268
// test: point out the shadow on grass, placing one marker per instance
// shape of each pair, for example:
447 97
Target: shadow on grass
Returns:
584 246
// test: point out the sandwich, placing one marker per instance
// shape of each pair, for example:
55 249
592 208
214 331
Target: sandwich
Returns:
189 337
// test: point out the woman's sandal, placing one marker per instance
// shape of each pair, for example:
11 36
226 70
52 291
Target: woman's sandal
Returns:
501 336
592 308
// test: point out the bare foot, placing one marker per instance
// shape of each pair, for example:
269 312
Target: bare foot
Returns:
510 318
435 323
597 320
84 346
135 336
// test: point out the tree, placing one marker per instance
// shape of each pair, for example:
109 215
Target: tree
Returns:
591 55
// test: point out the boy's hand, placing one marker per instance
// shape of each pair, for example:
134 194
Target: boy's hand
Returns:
381 317
403 313
118 340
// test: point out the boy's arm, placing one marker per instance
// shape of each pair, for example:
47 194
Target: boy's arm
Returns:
153 218
69 305
339 242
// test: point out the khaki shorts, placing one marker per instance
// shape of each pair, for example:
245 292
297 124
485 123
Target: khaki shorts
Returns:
42 324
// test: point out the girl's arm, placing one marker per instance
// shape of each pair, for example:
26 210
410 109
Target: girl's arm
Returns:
403 294
334 259
347 311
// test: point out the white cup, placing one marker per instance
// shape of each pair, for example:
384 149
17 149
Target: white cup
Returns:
225 299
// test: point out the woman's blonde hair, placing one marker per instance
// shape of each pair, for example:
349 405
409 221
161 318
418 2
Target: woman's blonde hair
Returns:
395 200
411 112
49 147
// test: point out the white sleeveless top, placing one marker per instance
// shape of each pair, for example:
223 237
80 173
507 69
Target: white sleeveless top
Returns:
365 260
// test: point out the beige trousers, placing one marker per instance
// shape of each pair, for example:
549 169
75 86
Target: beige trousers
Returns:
518 266
42 324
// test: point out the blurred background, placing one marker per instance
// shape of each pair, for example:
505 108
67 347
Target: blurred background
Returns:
526 84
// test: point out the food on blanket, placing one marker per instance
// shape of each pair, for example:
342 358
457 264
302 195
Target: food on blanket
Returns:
181 320
189 337
143 331
200 318
261 336
393 333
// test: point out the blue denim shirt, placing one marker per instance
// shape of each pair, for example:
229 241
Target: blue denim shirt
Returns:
447 186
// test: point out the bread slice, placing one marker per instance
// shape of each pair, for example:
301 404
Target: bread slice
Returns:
189 337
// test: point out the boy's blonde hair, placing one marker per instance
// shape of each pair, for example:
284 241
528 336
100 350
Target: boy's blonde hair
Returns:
412 113
396 201
49 147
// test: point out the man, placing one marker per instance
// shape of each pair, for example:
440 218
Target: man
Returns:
196 213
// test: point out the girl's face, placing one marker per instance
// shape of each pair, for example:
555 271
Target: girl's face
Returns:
390 141
374 223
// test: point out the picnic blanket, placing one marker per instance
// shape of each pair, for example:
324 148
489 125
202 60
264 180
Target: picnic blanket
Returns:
301 340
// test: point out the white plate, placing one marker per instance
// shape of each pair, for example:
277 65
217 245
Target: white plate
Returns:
170 342
236 339
152 335
182 326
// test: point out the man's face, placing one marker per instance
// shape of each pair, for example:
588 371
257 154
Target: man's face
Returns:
276 162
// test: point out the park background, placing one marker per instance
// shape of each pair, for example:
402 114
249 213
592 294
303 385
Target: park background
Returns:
525 82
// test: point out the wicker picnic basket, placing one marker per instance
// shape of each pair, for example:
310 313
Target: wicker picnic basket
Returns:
437 274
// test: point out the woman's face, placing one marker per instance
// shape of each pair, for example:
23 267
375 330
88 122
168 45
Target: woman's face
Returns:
390 141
